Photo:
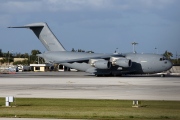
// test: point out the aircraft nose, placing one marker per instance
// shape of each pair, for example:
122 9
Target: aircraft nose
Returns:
169 64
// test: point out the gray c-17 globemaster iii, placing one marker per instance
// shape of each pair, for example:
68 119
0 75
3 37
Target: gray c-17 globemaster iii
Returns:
96 63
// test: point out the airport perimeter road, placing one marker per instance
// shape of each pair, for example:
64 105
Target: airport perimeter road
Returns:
89 87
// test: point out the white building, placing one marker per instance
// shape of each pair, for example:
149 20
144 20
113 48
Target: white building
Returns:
40 67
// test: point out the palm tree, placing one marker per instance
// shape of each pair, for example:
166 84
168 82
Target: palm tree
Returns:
168 54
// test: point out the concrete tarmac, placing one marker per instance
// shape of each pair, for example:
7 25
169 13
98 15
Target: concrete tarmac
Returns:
86 86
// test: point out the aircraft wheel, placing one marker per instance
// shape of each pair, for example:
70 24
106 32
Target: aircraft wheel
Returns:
120 75
113 74
117 75
162 75
98 75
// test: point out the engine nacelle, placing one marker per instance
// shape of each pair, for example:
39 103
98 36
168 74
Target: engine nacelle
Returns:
100 63
122 62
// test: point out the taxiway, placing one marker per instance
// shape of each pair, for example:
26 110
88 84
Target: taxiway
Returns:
85 86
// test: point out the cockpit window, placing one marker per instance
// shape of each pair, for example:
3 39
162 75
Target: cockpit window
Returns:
164 58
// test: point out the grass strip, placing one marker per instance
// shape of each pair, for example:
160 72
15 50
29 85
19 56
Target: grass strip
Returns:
90 109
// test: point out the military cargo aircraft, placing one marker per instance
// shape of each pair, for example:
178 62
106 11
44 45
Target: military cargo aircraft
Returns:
97 63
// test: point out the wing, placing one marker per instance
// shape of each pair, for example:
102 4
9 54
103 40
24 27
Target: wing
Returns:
86 59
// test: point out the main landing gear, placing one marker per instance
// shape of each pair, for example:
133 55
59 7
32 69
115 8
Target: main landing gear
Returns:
108 75
163 75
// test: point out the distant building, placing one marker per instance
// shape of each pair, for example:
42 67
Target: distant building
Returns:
20 59
40 67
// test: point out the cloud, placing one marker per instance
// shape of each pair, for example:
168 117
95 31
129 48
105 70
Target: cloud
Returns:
87 10
21 6
70 5
156 3
76 5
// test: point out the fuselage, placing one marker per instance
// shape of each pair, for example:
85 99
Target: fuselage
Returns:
141 63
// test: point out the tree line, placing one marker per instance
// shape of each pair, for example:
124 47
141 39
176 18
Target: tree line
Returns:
31 58
169 55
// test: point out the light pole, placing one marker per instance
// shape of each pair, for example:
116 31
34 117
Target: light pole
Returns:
116 51
9 57
134 43
29 58
177 57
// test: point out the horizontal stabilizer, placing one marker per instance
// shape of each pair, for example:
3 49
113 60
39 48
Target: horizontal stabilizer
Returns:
26 26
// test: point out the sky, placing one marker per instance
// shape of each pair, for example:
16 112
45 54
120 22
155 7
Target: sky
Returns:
98 25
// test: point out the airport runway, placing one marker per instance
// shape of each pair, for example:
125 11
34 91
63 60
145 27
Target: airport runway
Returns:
85 86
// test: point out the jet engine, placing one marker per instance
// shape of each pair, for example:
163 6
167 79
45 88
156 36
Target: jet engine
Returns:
100 63
122 62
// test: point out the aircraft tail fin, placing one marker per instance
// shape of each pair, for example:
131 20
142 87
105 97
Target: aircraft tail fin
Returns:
45 35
